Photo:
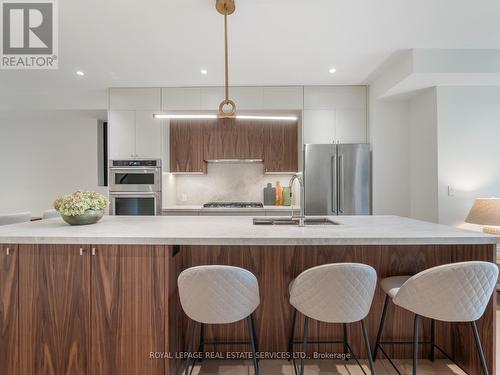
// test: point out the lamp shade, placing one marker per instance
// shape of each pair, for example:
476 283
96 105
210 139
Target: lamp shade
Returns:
485 211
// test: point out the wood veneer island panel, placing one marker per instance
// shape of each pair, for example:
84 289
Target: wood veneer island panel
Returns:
275 267
118 306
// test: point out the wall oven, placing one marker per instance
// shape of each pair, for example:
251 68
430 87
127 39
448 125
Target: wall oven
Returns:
135 175
138 203
135 187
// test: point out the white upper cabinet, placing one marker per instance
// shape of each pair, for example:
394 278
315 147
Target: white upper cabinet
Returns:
246 98
286 97
181 98
319 126
211 97
250 98
134 134
140 99
350 126
148 135
334 97
335 113
121 134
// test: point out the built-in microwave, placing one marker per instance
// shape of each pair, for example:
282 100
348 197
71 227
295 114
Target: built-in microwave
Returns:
135 176
135 203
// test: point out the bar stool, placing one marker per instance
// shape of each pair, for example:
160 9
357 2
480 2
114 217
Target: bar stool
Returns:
333 293
50 214
457 292
21 217
219 295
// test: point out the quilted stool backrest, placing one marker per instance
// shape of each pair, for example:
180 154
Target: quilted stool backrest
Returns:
335 293
218 294
457 292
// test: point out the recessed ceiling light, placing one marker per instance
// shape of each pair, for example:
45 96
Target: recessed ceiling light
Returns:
332 70
80 73
204 72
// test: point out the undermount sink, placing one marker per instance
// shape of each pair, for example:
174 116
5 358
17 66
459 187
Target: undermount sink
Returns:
292 221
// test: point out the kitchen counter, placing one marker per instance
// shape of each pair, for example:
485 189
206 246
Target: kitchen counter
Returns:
124 270
193 210
229 230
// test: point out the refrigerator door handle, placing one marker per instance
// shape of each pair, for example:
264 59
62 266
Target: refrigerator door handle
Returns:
341 184
334 184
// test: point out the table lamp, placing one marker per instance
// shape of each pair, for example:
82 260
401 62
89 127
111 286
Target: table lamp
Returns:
486 212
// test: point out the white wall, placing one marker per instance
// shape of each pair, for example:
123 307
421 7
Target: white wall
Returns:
423 163
389 138
45 154
468 148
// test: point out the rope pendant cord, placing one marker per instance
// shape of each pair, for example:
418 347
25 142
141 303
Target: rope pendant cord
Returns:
227 108
226 56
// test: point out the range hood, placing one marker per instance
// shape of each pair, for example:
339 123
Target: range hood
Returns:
234 161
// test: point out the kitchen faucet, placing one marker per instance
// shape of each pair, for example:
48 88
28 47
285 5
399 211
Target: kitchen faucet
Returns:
302 217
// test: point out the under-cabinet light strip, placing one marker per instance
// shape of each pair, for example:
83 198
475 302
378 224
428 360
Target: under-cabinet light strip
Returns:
163 116
238 117
281 118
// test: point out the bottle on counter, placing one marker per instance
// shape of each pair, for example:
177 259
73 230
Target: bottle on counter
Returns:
269 195
279 194
287 199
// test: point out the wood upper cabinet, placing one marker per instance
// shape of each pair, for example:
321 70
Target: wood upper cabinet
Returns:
54 306
232 139
193 142
128 309
186 146
9 310
281 147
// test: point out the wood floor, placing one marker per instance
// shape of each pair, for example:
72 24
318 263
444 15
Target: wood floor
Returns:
439 367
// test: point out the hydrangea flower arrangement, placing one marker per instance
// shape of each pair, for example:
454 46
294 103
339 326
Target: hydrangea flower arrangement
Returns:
80 201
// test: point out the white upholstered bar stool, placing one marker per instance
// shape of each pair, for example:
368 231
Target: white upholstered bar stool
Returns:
50 214
333 293
219 295
21 217
457 292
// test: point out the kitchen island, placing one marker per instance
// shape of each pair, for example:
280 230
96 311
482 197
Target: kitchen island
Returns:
102 299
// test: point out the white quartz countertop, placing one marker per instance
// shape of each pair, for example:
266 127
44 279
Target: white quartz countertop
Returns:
200 207
239 230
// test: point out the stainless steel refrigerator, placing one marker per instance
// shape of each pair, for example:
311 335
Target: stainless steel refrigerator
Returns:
337 179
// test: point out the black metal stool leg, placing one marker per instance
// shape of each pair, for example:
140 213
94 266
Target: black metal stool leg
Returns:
415 343
190 347
292 333
380 328
368 350
479 348
433 340
304 345
201 347
255 336
253 344
345 339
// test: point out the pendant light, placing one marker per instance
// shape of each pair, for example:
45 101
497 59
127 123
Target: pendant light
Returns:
227 108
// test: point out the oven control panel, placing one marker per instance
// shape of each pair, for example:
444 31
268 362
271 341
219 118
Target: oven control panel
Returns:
135 163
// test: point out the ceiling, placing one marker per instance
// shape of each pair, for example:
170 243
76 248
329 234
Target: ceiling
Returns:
272 42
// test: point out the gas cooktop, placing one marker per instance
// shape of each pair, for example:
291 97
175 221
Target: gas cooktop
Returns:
233 205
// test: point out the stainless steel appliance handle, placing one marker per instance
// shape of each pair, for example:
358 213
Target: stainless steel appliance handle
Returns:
135 170
334 184
341 184
134 193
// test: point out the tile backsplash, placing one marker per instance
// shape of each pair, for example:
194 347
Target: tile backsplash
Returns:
223 182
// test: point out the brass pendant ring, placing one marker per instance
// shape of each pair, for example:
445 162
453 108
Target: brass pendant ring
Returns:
224 112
